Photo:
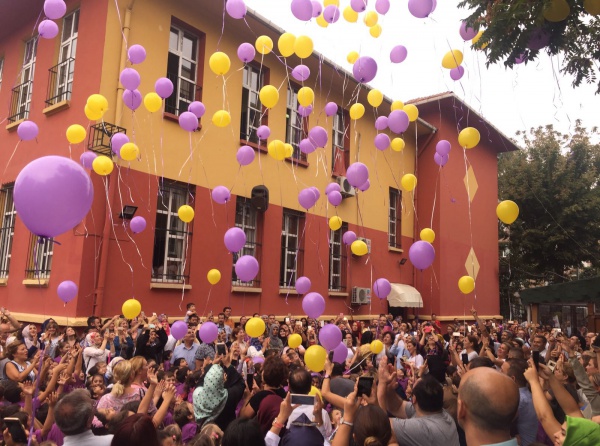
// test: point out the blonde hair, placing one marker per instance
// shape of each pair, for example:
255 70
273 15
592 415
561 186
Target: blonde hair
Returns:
123 377
214 432
137 364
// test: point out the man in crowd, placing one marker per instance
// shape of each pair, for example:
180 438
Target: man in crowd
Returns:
222 326
74 415
526 422
187 350
228 319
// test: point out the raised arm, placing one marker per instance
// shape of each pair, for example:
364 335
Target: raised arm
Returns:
148 397
540 403
13 321
564 398
480 324
332 398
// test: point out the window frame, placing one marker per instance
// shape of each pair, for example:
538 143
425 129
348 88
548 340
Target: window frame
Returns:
39 257
292 116
253 231
340 155
7 228
395 218
20 103
337 255
263 72
299 220
61 75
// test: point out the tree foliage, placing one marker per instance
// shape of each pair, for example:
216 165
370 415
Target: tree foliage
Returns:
509 26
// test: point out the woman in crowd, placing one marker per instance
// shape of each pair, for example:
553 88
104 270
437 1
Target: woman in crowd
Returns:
274 340
18 368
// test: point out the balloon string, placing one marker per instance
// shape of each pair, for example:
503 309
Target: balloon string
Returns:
10 159
472 272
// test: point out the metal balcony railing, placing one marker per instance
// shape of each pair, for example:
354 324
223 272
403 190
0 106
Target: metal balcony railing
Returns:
20 102
60 82
99 137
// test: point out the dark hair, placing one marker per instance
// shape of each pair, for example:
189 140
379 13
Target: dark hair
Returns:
136 430
388 333
181 414
181 374
242 432
12 391
338 369
543 338
372 426
366 338
274 371
429 394
516 370
12 348
473 339
189 305
73 413
516 353
90 321
480 361
300 381
226 308
177 362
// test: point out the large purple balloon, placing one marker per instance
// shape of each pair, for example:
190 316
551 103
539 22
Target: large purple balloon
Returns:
67 291
364 69
330 336
263 132
317 9
55 9
208 332
357 174
443 147
132 99
440 160
421 254
382 141
457 73
335 198
220 194
301 73
188 121
87 158
382 6
307 198
349 237
47 29
236 8
136 54
130 78
197 108
332 187
331 108
398 54
235 239
382 288
27 130
358 5
381 123
117 141
163 87
302 9
303 285
398 121
420 8
179 329
340 353
313 305
52 194
137 224
246 52
466 32
331 14
246 268
318 136
245 155
306 146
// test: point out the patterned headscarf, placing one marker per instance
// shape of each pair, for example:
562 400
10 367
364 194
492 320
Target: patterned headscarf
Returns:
210 398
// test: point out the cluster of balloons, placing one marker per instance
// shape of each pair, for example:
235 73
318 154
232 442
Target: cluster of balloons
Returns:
54 10
442 152
452 61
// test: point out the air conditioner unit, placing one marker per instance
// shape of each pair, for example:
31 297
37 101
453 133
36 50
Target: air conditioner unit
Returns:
361 296
367 242
346 189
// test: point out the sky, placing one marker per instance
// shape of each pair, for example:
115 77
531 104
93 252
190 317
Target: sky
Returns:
513 100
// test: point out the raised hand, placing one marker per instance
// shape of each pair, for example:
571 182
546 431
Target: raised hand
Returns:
27 388
169 393
152 379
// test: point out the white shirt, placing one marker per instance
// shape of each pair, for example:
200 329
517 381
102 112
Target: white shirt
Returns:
326 429
92 356
87 439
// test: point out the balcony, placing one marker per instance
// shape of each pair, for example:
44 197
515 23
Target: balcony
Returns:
20 101
60 82
99 137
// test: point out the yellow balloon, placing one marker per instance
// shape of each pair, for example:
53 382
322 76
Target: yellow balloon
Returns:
557 11
264 45
376 346
371 18
97 103
427 235
412 111
375 30
276 149
289 150
322 22
352 57
269 96
475 39
466 284
303 47
131 308
452 59
76 134
397 105
331 2
102 165
350 15
507 211
221 118
335 223
294 340
92 115
357 111
469 137
219 63
186 213
255 327
213 276
397 144
306 96
375 98
152 102
409 181
359 248
592 6
129 151
286 44
315 357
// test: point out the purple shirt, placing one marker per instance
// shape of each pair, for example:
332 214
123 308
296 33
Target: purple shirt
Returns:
188 431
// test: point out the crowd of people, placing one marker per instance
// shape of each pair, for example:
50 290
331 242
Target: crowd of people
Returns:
131 382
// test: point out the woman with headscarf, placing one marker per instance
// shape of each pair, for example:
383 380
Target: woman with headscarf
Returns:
257 347
30 339
275 342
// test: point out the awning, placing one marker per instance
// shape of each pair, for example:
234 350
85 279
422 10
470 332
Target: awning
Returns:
404 296
578 291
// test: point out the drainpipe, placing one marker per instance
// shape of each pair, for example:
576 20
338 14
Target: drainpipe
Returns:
113 178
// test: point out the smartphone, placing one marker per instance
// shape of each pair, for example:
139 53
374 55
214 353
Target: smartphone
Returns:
365 386
558 330
551 365
287 320
322 323
299 324
221 350
427 329
456 334
535 355
16 430
469 328
305 400
493 325
465 358
331 356
250 381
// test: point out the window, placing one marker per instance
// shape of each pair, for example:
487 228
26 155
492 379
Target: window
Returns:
183 68
253 81
395 219
341 143
247 218
7 206
39 257
291 251
170 235
21 94
60 85
296 125
337 259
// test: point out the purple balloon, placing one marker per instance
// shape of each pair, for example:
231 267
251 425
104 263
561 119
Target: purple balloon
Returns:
246 268
313 305
301 73
466 32
28 130
306 146
330 336
263 132
302 9
421 254
398 54
349 237
87 158
55 9
197 108
303 285
420 8
137 224
236 8
335 198
47 29
317 9
235 239
538 39
382 141
67 291
398 121
340 353
382 6
188 121
307 198
364 69
130 78
318 136
522 58
441 160
245 155
52 194
332 187
331 14
381 123
132 99
117 141
358 5
163 87
305 111
316 190
221 195
208 332
179 329
382 288
258 359
136 54
246 52
331 108
364 186
357 174
443 147
457 72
